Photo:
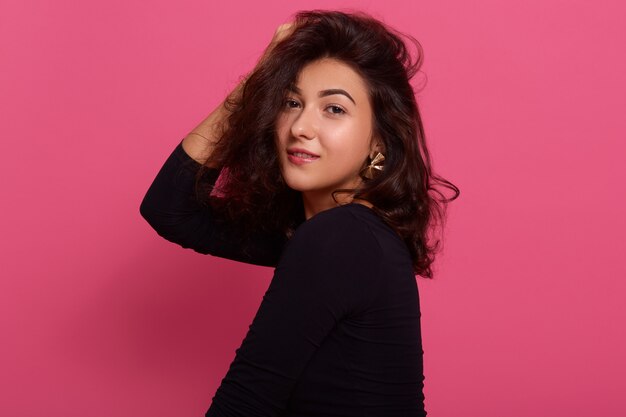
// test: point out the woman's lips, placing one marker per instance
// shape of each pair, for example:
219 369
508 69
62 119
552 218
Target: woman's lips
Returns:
300 157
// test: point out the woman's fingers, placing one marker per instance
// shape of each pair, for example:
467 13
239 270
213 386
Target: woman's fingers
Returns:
282 32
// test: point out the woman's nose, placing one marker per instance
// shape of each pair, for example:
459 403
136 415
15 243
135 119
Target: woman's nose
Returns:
304 126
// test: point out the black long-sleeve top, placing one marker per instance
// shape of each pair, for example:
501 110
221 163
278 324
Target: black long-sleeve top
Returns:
338 330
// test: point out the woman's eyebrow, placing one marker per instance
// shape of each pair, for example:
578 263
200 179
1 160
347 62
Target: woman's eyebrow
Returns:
333 91
325 93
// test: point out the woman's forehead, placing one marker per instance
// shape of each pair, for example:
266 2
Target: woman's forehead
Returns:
329 75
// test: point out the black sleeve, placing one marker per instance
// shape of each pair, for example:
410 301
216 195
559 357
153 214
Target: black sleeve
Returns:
327 272
171 208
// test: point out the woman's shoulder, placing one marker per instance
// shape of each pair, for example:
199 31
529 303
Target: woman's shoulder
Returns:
349 227
348 246
338 247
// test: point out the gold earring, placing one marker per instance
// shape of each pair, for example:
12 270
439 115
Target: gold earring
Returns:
371 170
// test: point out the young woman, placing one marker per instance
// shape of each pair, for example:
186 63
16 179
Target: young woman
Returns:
324 174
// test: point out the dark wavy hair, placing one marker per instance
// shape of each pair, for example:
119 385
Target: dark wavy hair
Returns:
407 195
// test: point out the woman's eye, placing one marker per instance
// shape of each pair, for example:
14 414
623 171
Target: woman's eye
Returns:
335 109
291 103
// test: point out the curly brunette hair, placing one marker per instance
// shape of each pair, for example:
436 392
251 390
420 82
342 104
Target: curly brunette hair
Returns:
405 194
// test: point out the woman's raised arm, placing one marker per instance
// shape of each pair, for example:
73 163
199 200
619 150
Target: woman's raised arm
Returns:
170 205
200 141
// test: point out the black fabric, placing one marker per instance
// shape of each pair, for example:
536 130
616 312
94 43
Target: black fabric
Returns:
338 330
171 208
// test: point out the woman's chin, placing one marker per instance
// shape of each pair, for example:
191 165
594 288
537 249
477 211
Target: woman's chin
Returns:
299 185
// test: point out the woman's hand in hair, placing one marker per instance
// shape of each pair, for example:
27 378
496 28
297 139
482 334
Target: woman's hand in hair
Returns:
199 143
281 33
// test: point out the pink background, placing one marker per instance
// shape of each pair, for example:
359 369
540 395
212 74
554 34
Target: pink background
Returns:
524 110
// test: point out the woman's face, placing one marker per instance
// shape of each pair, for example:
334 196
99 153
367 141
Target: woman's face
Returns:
324 131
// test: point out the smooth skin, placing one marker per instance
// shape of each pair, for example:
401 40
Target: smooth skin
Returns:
329 114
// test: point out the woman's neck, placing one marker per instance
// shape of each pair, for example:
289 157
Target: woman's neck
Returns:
315 203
